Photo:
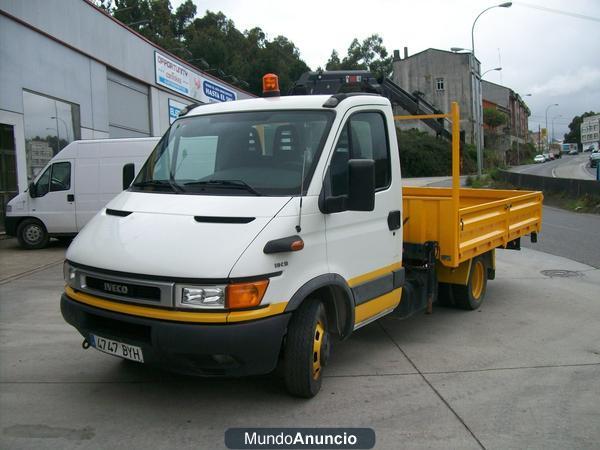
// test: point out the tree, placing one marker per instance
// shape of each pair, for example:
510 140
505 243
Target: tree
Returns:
240 58
493 118
369 54
574 134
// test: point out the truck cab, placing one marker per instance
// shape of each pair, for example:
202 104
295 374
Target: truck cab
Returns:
251 222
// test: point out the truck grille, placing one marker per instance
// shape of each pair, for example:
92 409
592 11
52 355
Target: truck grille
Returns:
124 289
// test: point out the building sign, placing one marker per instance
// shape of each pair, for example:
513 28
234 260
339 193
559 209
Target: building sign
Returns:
174 76
175 108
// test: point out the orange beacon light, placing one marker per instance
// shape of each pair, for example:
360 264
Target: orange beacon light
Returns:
271 85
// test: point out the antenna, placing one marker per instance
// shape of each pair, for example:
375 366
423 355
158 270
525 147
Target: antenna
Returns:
299 226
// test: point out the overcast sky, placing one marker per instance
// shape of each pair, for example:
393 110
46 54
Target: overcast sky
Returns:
554 57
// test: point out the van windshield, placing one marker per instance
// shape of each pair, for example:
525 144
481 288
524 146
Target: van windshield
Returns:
246 153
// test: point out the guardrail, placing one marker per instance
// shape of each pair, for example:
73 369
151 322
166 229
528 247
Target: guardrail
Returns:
569 186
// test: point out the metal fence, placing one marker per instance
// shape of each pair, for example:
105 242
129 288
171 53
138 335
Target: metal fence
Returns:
568 186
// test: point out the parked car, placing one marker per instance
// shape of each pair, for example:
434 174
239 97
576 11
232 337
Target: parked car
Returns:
539 159
594 158
546 156
572 152
76 184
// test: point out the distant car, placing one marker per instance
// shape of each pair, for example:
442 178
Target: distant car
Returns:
539 159
572 152
594 159
589 149
546 156
551 156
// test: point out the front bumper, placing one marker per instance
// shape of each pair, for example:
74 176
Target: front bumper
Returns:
237 349
10 225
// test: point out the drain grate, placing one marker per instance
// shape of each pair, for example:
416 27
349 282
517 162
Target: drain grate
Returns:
561 273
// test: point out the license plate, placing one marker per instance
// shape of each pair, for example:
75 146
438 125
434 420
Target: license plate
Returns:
116 348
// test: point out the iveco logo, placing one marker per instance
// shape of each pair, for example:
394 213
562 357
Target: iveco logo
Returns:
116 288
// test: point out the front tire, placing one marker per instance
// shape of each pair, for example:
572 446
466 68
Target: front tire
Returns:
32 234
307 349
470 297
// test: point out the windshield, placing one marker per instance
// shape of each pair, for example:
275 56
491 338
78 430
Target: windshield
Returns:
248 153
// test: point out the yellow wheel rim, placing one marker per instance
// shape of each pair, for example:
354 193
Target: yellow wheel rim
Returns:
317 344
477 280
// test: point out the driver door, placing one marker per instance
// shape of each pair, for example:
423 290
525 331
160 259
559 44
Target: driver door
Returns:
54 203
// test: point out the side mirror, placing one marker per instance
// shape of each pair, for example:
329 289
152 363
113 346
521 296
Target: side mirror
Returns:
128 175
32 190
361 189
361 196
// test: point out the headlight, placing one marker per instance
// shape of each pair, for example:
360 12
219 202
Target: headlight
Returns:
210 297
69 274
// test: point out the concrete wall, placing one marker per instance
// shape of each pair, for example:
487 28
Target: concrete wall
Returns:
420 71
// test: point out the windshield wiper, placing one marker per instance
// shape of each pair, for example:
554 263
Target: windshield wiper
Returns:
237 184
160 183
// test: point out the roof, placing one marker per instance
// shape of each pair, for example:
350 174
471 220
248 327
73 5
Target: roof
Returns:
439 50
283 103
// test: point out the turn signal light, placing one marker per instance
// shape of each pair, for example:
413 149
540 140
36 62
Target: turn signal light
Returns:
271 85
246 295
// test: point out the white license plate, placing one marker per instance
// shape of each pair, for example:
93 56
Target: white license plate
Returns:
116 348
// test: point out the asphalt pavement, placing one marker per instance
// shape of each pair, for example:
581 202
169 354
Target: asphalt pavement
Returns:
569 166
572 235
521 372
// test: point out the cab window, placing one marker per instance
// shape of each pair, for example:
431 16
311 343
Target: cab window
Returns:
61 177
364 136
43 183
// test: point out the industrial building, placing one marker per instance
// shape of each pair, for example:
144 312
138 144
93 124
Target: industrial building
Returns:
70 71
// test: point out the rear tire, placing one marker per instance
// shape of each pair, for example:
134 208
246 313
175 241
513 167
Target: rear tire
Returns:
471 296
307 349
32 234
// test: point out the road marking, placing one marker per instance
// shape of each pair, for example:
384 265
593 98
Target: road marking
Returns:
554 172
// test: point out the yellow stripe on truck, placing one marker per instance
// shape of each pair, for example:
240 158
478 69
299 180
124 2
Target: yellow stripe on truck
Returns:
374 274
175 316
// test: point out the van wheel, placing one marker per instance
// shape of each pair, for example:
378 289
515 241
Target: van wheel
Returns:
470 297
32 234
307 349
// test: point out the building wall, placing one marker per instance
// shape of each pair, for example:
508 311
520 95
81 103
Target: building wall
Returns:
590 132
70 53
420 72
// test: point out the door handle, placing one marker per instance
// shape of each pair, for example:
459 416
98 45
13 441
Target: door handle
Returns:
70 197
394 220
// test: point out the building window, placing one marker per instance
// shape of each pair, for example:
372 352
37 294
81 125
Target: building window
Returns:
439 84
50 125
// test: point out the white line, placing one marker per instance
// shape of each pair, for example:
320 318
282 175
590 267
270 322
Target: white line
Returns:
554 173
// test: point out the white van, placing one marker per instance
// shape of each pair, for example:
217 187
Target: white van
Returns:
73 187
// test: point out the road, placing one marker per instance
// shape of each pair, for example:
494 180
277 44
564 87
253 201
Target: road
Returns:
569 166
521 372
572 235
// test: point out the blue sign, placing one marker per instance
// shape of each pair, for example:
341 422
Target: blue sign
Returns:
218 93
175 108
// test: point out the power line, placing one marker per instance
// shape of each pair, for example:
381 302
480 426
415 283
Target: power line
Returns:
558 11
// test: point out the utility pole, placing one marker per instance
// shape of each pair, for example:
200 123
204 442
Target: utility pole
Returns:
539 138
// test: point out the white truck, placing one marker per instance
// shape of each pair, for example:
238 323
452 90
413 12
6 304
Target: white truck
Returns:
260 229
79 181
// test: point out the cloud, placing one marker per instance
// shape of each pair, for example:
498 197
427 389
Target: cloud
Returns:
570 83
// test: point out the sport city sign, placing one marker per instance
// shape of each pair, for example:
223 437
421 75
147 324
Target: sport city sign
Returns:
178 78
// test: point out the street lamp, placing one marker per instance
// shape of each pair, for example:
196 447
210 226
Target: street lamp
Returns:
476 85
547 108
555 117
64 123
501 5
491 70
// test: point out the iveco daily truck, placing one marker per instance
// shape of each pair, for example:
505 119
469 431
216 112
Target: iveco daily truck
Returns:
259 230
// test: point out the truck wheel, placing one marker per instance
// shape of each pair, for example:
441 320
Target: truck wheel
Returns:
306 350
470 297
32 234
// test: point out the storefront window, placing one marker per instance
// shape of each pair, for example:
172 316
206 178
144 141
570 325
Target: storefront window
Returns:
50 125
